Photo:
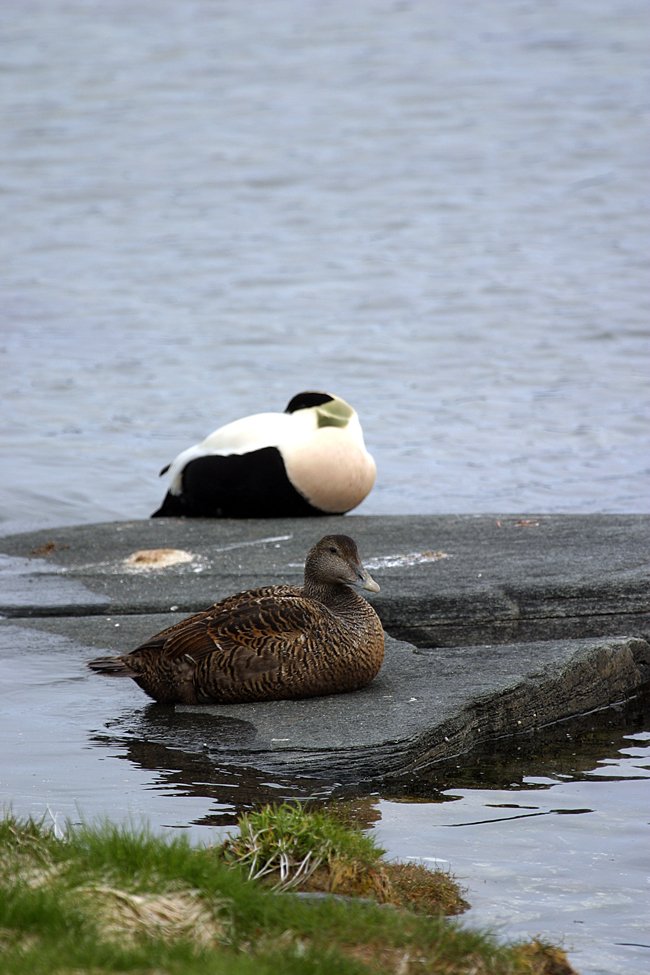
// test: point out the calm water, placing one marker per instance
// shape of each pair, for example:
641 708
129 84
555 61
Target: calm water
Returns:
437 210
550 841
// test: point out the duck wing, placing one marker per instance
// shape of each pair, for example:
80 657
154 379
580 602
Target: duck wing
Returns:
224 606
260 624
246 650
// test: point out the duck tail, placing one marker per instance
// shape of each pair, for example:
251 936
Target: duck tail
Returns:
111 667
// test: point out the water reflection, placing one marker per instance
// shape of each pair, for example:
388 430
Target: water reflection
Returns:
576 750
173 746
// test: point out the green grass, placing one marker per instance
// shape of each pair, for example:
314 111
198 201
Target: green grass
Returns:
113 900
290 844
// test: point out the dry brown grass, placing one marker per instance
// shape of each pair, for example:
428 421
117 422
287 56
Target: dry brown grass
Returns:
407 885
169 916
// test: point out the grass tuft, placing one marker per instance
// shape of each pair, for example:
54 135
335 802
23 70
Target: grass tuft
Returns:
292 848
290 844
105 900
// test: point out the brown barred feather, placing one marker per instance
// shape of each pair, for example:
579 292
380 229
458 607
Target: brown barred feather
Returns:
270 643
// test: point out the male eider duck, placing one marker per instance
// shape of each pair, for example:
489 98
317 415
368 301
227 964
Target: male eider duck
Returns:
309 460
273 643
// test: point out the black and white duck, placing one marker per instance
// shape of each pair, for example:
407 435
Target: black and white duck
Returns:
309 460
271 643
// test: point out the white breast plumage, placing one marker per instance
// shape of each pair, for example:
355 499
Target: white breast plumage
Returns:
309 460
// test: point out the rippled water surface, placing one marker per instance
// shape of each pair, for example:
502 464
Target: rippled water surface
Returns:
438 211
550 837
556 856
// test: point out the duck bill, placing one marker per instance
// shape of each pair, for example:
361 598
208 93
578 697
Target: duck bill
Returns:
367 582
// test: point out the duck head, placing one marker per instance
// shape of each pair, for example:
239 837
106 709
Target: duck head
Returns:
331 411
334 560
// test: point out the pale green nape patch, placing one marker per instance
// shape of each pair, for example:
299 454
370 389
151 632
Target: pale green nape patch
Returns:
336 413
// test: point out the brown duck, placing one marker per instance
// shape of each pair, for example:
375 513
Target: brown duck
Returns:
270 643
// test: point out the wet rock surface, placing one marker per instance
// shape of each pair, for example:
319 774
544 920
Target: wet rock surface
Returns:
499 625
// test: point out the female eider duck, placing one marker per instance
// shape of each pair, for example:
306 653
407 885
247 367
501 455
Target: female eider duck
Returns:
272 643
309 460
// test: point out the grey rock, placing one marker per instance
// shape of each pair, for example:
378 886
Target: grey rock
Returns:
514 623
446 580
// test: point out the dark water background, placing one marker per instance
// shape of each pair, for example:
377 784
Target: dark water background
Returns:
438 211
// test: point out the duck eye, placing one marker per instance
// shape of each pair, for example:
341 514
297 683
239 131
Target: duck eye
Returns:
333 550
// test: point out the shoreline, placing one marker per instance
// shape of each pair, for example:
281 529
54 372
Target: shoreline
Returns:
497 625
